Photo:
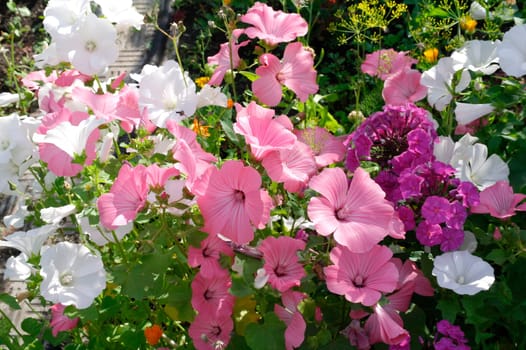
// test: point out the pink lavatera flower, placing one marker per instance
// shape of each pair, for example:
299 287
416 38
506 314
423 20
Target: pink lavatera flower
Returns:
273 27
358 215
126 198
281 261
227 58
157 176
59 321
385 62
208 254
210 292
385 326
403 87
210 331
233 202
262 131
499 201
361 277
296 71
327 148
294 167
289 313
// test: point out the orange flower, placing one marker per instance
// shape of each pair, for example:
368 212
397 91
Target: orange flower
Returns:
431 55
200 129
153 334
229 103
202 81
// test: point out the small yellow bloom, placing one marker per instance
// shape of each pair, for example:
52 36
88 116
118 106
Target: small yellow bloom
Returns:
202 81
227 2
468 24
431 55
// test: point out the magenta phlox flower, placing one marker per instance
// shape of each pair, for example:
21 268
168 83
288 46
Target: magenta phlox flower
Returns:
385 326
357 215
383 138
211 330
227 58
293 167
210 293
410 186
500 201
233 202
429 234
403 87
273 27
361 277
295 71
262 131
208 254
281 261
436 210
449 337
452 239
407 215
126 198
292 317
386 62
327 148
59 321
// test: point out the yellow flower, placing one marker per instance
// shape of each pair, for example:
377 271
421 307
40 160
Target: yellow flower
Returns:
468 24
431 55
202 81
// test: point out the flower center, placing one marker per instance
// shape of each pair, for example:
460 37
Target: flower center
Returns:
460 279
239 196
280 270
343 214
359 281
66 279
90 46
4 144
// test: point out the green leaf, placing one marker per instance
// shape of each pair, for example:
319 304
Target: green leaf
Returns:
449 307
240 287
269 335
438 12
249 75
9 300
31 326
498 256
230 133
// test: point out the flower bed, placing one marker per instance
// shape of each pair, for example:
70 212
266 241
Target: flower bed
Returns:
237 210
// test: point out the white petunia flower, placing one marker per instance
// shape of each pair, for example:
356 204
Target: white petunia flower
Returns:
72 275
477 11
91 48
211 96
444 149
70 138
99 235
63 17
17 268
30 242
466 113
470 242
439 83
16 219
122 13
477 56
463 272
53 215
167 92
481 170
512 51
7 98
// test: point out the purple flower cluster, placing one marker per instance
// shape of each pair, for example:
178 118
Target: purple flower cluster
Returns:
427 196
451 337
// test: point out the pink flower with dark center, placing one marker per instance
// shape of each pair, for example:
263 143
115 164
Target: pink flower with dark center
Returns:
499 201
385 62
281 261
126 198
289 313
233 202
262 131
210 292
59 321
357 215
224 61
361 277
211 330
403 87
296 71
271 26
208 254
